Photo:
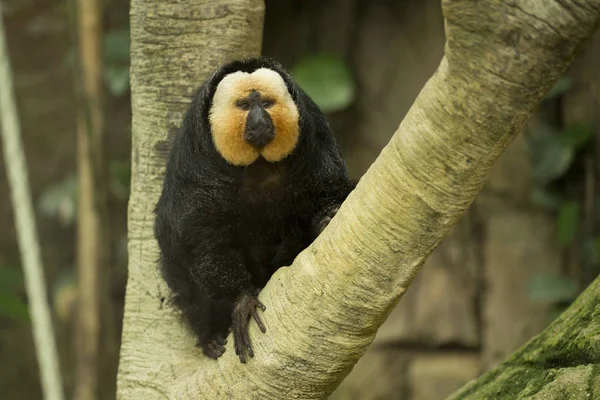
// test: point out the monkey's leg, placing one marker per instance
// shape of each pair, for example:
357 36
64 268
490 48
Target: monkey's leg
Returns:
212 335
221 276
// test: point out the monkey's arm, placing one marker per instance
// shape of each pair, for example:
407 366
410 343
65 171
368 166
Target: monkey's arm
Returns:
332 198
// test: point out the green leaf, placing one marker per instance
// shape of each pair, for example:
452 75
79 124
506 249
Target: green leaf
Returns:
551 155
70 57
555 288
591 251
567 222
577 136
542 197
327 80
117 78
559 88
595 242
120 177
120 171
116 47
13 307
10 278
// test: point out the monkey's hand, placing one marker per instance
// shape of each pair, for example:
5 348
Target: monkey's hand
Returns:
244 308
323 221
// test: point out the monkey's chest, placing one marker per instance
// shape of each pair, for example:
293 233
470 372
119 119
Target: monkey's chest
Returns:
270 229
262 179
269 237
259 233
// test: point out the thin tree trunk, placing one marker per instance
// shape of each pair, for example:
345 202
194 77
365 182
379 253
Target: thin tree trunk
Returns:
16 168
91 246
323 311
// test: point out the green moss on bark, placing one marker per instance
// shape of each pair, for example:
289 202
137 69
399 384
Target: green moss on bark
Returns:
561 362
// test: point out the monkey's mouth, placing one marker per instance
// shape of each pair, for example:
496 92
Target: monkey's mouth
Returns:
259 130
259 138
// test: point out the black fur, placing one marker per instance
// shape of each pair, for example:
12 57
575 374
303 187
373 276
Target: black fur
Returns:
222 233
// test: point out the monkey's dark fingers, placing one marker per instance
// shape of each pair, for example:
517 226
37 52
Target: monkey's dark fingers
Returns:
258 320
240 331
219 348
237 341
221 340
212 351
247 342
207 351
243 327
216 351
260 305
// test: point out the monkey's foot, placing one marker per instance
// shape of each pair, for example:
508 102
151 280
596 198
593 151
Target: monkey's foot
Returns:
322 224
215 347
245 308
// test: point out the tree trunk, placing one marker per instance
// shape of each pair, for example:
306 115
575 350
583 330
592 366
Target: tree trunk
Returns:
91 243
174 47
323 312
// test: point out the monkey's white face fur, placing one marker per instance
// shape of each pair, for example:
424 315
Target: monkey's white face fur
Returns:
228 120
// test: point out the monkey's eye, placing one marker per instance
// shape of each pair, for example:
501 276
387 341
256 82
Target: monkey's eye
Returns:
267 103
244 105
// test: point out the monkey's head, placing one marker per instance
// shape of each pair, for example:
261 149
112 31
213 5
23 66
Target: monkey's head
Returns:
253 114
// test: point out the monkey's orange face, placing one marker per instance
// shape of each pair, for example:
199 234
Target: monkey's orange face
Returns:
253 115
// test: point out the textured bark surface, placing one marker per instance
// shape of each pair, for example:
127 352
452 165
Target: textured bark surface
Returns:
324 311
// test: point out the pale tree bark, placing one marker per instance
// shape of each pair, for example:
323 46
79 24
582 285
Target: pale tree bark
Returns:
91 246
323 312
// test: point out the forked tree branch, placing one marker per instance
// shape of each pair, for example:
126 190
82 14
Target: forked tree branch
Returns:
500 58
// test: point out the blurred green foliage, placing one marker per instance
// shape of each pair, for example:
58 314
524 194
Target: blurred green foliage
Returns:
116 59
59 200
551 154
64 293
11 304
547 287
559 88
327 80
567 222
557 154
119 179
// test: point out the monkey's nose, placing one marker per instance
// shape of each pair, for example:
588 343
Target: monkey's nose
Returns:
259 128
